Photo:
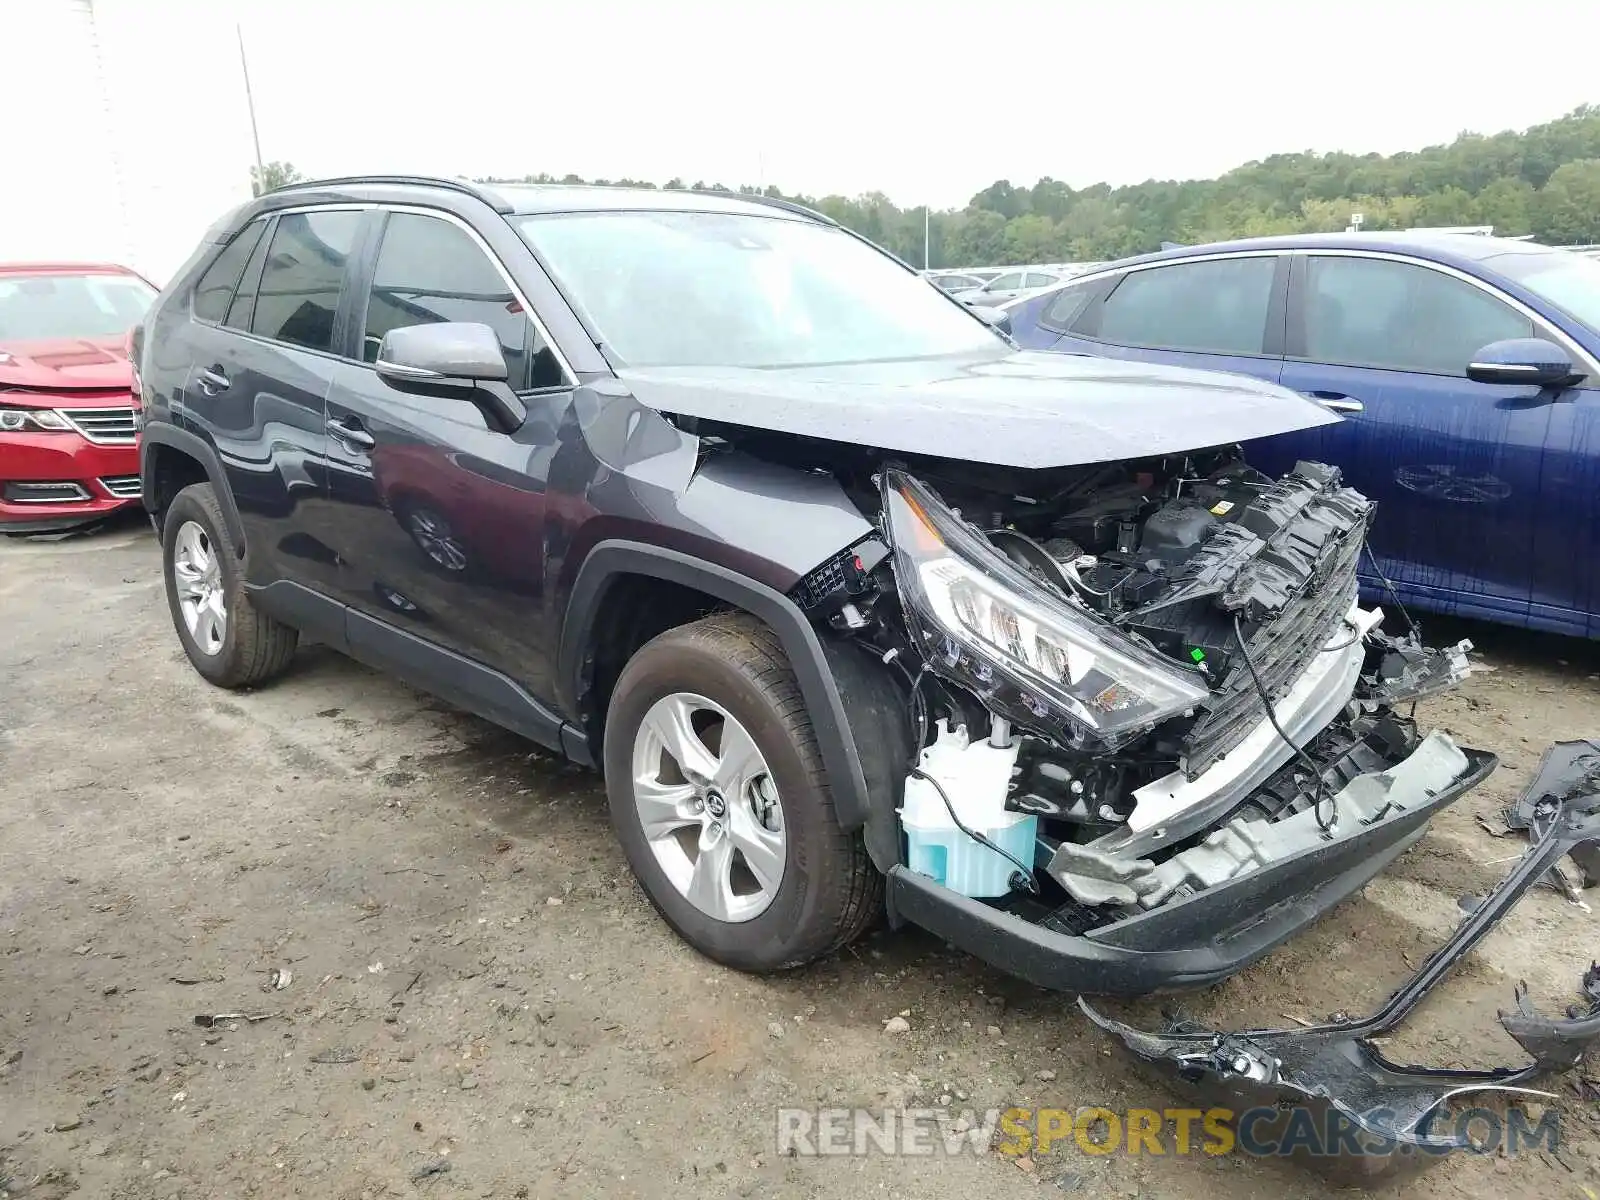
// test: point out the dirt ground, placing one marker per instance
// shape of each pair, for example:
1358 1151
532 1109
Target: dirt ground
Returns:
478 984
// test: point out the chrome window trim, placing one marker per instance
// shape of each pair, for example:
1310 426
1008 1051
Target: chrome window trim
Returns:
1590 366
505 275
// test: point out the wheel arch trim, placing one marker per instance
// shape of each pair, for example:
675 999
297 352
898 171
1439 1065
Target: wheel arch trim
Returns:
612 560
192 446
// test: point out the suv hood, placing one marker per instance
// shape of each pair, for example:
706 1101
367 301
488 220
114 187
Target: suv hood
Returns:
1027 409
99 363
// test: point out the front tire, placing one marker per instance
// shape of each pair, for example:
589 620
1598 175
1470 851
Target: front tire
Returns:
226 639
720 801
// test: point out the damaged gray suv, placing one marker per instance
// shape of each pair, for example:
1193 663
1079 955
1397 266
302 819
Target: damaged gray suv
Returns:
858 608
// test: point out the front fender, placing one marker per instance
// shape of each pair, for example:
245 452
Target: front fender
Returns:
611 560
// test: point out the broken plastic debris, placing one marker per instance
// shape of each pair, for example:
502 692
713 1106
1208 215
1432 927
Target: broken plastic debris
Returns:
1567 771
336 1055
212 1020
278 979
1384 1110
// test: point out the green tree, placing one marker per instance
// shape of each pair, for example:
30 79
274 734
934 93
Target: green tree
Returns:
271 176
1567 209
1544 180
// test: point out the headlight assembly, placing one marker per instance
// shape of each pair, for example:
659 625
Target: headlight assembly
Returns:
990 625
32 420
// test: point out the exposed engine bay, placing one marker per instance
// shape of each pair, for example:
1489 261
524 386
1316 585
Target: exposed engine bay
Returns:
1136 681
1140 730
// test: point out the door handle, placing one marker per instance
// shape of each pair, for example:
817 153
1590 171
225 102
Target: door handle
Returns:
1338 402
212 381
349 432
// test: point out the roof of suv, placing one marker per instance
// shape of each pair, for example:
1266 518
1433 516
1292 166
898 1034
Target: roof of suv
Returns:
531 198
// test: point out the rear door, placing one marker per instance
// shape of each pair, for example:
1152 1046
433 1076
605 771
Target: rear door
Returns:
1454 465
267 317
440 518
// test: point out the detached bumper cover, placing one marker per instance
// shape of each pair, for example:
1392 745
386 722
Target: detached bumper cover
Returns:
1335 1071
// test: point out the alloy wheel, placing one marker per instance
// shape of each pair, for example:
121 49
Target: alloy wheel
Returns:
197 574
709 807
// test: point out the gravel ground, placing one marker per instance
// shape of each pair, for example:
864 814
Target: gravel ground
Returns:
477 983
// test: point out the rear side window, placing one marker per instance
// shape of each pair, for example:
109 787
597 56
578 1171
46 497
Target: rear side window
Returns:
1068 306
299 292
1214 307
430 270
1007 282
215 290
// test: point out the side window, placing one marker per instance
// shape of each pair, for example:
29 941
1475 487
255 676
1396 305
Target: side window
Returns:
214 292
243 309
1039 279
1374 312
304 271
1007 282
430 270
1067 306
1214 307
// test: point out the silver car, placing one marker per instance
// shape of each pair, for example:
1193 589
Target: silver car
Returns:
1009 286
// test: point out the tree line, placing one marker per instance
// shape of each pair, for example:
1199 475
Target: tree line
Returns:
1544 180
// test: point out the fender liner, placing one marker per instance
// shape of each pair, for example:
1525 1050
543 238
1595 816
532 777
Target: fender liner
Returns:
197 448
840 757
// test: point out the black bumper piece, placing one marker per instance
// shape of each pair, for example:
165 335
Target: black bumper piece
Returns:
1388 1110
1186 944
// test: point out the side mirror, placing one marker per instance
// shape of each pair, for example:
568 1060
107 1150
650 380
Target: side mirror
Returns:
452 358
998 317
1531 361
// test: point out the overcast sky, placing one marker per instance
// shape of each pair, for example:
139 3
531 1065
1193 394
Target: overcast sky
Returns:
928 102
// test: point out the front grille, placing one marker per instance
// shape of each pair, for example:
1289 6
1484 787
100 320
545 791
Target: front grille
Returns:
65 492
1281 648
123 487
104 426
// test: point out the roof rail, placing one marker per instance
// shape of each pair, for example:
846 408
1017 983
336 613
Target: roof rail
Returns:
477 191
771 202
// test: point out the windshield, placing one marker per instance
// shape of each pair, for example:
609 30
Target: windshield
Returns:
1569 281
714 289
45 307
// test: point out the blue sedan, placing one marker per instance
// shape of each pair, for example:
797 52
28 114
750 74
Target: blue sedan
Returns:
1467 370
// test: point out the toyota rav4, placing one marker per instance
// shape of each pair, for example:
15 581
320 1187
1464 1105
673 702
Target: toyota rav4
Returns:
856 606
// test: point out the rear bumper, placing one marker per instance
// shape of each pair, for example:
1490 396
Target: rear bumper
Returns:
1186 943
106 479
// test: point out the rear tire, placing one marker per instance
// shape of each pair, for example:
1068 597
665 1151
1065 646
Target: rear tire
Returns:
226 639
729 673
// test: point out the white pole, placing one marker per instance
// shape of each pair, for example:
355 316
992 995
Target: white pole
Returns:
925 227
244 66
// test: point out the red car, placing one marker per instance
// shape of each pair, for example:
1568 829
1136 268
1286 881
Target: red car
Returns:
68 435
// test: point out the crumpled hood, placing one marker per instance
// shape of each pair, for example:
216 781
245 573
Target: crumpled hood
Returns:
1025 409
99 363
